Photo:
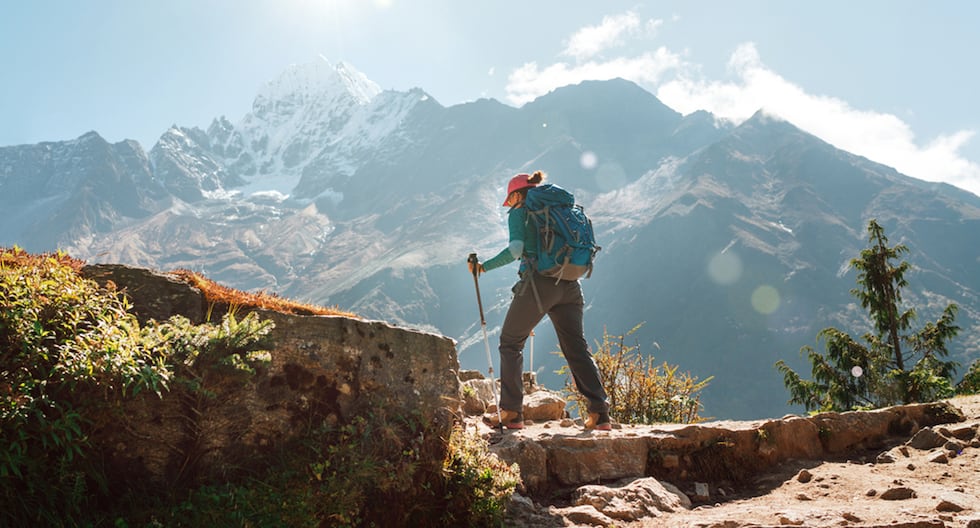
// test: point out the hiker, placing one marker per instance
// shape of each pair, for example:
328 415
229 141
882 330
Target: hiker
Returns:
535 296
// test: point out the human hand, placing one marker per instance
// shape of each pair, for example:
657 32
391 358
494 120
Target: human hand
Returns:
477 265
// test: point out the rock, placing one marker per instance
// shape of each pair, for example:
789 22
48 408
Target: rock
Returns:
327 369
851 517
871 493
955 446
478 396
790 521
885 458
901 493
544 405
574 460
938 457
804 476
467 375
963 433
586 515
701 491
973 523
927 439
633 500
670 461
949 506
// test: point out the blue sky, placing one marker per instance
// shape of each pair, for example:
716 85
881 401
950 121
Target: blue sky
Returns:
893 80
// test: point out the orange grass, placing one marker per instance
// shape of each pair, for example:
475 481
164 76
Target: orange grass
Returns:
218 294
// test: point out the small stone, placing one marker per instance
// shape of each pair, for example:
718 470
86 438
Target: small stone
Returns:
701 490
911 467
885 458
567 422
790 521
898 494
871 493
938 457
851 517
586 515
949 506
803 497
927 439
904 450
955 446
804 476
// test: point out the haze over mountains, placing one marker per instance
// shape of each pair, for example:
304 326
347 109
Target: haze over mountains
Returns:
730 243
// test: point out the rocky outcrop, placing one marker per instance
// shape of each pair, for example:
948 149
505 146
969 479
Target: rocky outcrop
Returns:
323 369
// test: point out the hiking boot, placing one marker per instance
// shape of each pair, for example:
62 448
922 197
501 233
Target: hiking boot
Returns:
508 419
598 421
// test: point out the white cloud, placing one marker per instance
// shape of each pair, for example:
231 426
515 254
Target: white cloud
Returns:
881 137
529 81
877 136
592 40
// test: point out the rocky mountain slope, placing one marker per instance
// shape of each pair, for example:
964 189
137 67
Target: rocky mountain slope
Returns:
729 243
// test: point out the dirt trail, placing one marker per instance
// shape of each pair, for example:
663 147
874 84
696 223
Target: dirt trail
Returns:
917 489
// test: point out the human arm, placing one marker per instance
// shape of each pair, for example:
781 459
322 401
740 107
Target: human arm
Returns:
515 249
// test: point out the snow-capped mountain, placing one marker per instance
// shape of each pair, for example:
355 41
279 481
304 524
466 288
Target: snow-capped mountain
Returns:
729 243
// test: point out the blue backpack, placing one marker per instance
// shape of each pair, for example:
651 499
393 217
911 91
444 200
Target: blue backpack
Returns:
566 242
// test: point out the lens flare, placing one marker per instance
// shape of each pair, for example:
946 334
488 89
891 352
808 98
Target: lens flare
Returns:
588 160
725 268
765 299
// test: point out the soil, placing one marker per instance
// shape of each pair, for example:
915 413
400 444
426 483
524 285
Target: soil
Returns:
853 492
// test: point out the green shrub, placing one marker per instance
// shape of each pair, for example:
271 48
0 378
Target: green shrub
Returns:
70 354
970 384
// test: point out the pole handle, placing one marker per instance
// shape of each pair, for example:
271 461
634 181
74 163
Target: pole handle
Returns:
475 263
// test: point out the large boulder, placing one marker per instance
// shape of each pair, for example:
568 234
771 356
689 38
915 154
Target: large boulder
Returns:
323 370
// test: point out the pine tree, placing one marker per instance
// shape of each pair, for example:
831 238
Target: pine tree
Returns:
879 372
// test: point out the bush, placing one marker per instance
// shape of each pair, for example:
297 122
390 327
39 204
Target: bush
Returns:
639 391
70 354
970 384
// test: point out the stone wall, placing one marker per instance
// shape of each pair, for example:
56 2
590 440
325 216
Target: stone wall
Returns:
324 369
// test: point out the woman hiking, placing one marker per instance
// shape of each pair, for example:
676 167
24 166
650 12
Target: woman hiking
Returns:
534 297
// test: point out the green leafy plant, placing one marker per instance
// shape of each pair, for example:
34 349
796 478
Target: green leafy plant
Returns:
970 384
71 353
893 365
639 390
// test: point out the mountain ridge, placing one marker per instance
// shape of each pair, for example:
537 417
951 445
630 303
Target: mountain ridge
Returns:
374 205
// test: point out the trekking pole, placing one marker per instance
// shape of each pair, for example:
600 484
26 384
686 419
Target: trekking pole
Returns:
532 351
475 264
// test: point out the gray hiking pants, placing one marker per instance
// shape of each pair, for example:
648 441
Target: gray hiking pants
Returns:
564 304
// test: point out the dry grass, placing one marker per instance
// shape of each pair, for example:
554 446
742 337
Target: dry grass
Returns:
223 295
215 293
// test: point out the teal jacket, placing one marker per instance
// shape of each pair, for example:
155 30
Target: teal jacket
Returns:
523 242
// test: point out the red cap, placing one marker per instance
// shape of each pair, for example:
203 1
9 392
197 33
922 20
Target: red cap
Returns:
517 183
